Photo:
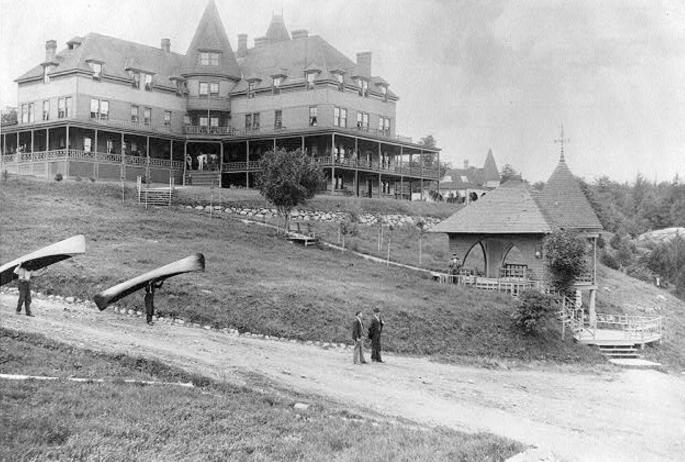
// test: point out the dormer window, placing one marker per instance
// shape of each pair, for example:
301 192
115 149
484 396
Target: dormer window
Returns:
277 85
250 89
96 68
148 82
180 87
384 92
214 89
136 79
341 84
209 58
46 72
363 87
311 76
204 89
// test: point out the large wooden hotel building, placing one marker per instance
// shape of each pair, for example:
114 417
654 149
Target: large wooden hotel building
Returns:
111 109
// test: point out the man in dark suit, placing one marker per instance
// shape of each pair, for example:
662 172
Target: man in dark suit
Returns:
150 299
375 335
357 329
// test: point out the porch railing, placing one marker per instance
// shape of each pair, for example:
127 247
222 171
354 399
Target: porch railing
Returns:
633 327
78 154
388 167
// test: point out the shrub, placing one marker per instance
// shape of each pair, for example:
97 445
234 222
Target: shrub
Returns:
608 259
565 254
59 177
533 309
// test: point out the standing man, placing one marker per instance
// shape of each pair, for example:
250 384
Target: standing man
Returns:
357 329
24 276
150 299
375 335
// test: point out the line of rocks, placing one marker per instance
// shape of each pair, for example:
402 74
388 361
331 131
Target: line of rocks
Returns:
318 215
88 304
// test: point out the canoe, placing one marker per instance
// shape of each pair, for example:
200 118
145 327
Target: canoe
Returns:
44 257
186 265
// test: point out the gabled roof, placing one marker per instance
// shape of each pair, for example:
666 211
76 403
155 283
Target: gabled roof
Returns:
277 31
565 203
210 35
509 209
490 171
116 55
478 175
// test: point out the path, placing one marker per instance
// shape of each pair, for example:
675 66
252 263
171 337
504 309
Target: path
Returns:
627 416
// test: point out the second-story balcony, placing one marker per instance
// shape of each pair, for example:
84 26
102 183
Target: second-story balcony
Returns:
208 103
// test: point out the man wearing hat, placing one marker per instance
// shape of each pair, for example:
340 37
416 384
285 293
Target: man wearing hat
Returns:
375 335
357 329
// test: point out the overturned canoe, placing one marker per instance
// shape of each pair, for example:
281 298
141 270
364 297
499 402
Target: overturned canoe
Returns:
187 265
44 257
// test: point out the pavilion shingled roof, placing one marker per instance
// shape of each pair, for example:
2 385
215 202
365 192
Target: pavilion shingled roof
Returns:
509 209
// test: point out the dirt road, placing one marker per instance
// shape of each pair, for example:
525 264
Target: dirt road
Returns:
625 416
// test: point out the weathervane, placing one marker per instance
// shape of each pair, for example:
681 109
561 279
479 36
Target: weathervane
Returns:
561 141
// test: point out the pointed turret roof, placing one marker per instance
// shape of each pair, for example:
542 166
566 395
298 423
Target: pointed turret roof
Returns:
210 35
490 170
277 31
564 202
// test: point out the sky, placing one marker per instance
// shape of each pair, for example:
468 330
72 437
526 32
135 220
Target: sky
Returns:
477 75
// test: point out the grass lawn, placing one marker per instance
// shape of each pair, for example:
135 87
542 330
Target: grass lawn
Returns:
255 280
61 420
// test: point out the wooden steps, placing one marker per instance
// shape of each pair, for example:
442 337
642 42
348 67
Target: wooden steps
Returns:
197 178
620 351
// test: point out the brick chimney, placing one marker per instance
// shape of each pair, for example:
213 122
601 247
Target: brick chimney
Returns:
50 51
166 45
242 45
364 64
299 33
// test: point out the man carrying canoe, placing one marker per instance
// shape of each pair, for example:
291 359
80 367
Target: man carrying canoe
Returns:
150 299
24 276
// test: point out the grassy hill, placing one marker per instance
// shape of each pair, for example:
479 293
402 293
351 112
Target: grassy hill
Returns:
255 280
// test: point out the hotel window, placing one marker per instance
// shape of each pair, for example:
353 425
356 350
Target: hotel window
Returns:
363 121
204 121
278 119
277 85
250 89
363 87
214 122
32 112
96 68
313 119
94 108
135 114
46 109
340 117
167 119
341 85
136 79
104 109
209 58
147 115
384 125
252 121
63 107
148 82
214 89
24 114
311 76
204 89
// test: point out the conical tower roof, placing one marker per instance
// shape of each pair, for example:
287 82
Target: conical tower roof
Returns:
490 170
564 202
277 31
210 36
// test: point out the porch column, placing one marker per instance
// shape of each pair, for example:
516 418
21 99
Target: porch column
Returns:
303 144
96 141
380 185
4 144
333 162
221 163
421 163
96 167
32 145
274 144
171 160
147 160
247 164
16 149
47 139
123 158
401 187
591 308
185 162
66 158
356 182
